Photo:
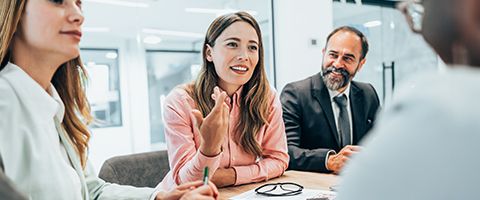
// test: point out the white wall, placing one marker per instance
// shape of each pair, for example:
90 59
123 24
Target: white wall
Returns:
296 24
137 84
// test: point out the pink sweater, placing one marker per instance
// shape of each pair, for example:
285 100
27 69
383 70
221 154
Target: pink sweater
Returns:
187 162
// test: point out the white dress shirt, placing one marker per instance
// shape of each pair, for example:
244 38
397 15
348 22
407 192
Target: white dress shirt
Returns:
336 108
37 154
336 115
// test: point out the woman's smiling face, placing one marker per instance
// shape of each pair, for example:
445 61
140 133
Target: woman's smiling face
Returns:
235 55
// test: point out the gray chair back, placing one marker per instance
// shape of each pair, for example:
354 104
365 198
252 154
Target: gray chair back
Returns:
7 189
139 170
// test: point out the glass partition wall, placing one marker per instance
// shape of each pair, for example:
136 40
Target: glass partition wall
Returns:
166 70
103 87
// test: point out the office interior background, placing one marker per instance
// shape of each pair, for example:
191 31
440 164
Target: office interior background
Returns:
136 51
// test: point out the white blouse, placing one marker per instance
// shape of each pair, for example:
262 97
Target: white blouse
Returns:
37 154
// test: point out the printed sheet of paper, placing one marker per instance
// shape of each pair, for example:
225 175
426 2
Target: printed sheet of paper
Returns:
307 194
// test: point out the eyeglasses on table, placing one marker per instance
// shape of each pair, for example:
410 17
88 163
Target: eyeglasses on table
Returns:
279 189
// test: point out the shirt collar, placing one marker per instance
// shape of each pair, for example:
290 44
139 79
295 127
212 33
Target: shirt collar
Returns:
61 107
235 97
44 105
334 93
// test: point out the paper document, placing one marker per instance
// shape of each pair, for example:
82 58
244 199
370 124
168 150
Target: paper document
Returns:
309 194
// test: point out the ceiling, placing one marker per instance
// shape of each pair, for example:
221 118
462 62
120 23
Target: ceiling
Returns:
114 20
105 20
384 3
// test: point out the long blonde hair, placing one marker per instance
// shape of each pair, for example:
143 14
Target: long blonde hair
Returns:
68 80
254 99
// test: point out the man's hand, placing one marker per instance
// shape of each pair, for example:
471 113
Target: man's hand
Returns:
224 177
214 127
337 161
190 191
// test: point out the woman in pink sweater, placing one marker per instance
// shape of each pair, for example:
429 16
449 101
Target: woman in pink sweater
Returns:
229 119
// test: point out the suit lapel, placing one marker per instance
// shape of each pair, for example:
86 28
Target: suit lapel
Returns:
320 92
357 107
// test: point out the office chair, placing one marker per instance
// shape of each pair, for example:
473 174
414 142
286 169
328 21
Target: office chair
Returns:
139 170
7 189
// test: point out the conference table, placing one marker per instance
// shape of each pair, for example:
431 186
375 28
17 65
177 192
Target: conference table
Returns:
309 180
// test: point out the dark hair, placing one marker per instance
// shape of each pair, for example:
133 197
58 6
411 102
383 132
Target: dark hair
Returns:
254 101
357 32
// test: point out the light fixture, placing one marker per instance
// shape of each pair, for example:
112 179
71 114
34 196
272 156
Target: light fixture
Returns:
372 24
217 12
111 55
96 29
152 39
172 33
121 3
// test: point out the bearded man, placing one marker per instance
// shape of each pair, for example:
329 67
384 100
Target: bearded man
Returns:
327 114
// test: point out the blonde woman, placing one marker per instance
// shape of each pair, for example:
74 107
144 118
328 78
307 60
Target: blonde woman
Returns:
229 119
44 111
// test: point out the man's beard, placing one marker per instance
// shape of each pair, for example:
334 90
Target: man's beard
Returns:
335 83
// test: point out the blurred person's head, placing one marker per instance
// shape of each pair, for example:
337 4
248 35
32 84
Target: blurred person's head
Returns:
49 31
452 28
233 57
343 56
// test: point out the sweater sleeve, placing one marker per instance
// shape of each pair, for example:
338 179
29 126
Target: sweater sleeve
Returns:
186 161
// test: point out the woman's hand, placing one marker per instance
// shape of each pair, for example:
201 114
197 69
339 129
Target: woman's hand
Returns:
191 190
214 127
203 192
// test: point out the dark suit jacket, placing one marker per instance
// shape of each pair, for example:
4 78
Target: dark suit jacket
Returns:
310 124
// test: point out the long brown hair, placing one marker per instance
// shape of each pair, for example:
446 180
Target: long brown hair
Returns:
68 80
254 99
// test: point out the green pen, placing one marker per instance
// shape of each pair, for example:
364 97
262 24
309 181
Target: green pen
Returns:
205 176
